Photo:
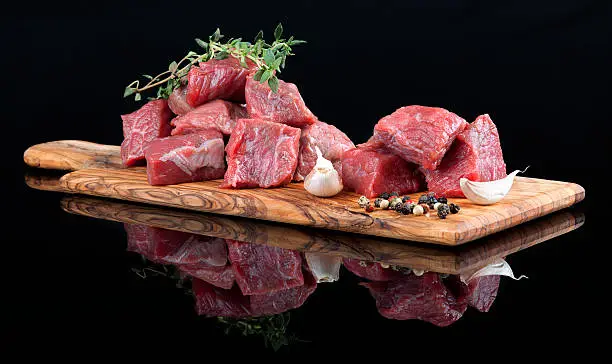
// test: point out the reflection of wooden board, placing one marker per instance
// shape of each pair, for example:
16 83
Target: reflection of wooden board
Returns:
529 198
438 259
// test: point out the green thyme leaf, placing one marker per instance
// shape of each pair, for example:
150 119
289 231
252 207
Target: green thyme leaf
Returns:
172 67
265 76
273 83
216 35
257 75
137 97
201 43
278 32
259 36
128 91
269 57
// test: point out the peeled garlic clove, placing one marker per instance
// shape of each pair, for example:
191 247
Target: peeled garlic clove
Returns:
323 180
487 193
499 268
325 268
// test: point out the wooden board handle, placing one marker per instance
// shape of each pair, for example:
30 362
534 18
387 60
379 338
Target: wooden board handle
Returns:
72 155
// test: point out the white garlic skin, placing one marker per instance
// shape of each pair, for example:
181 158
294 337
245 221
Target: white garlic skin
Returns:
323 180
487 193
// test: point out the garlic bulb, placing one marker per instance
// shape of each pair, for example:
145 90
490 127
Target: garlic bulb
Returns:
323 180
487 193
498 268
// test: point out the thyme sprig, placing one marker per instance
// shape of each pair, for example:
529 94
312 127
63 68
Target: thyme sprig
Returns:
268 58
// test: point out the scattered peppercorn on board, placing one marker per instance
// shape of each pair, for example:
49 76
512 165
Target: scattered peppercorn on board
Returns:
528 199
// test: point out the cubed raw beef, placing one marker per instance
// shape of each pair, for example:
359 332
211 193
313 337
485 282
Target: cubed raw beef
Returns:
214 301
219 276
284 300
153 243
178 101
185 158
261 154
476 155
150 122
263 269
419 134
371 171
284 106
371 270
331 142
217 79
423 298
217 114
482 291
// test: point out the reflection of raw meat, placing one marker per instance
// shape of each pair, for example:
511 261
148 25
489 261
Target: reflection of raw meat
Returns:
482 291
264 269
476 155
331 142
185 158
150 122
371 171
419 134
216 79
284 300
261 154
178 101
284 106
371 270
424 298
220 276
214 301
217 114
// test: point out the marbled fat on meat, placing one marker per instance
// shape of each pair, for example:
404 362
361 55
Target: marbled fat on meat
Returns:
419 134
185 158
177 101
213 301
144 125
476 155
217 79
261 154
331 142
285 106
217 114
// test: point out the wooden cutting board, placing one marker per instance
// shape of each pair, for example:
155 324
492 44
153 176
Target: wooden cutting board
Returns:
528 199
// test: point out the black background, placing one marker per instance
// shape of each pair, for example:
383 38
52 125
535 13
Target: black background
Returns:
540 69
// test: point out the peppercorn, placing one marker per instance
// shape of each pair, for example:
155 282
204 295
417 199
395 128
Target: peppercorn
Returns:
384 204
423 199
443 211
394 193
431 194
377 202
385 195
425 208
405 199
394 201
363 201
407 208
398 207
369 208
418 210
436 205
453 208
442 200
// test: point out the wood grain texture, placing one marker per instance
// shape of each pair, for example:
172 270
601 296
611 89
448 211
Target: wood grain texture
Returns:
44 183
72 155
430 258
529 198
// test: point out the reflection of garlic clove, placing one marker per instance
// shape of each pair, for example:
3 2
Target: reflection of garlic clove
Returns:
498 268
487 193
325 268
323 180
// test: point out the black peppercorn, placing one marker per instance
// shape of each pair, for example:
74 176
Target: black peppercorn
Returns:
407 208
454 208
377 202
443 210
423 199
385 195
442 200
405 198
399 207
394 193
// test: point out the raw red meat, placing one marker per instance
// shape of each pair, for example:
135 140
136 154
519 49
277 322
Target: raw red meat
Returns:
153 243
476 155
178 101
217 79
285 106
423 298
150 122
219 276
482 291
261 154
217 114
185 158
371 270
263 269
331 142
419 134
285 300
213 301
371 171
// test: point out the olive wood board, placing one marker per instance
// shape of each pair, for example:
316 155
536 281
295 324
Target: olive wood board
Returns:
467 258
528 199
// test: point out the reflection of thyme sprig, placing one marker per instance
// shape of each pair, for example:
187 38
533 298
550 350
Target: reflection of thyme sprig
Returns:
273 328
268 58
150 269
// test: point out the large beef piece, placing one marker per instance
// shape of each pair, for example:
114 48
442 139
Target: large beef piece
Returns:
150 122
214 301
284 300
185 158
217 114
371 270
216 79
476 155
370 171
261 154
219 276
178 101
482 291
423 298
263 269
284 106
331 142
419 134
